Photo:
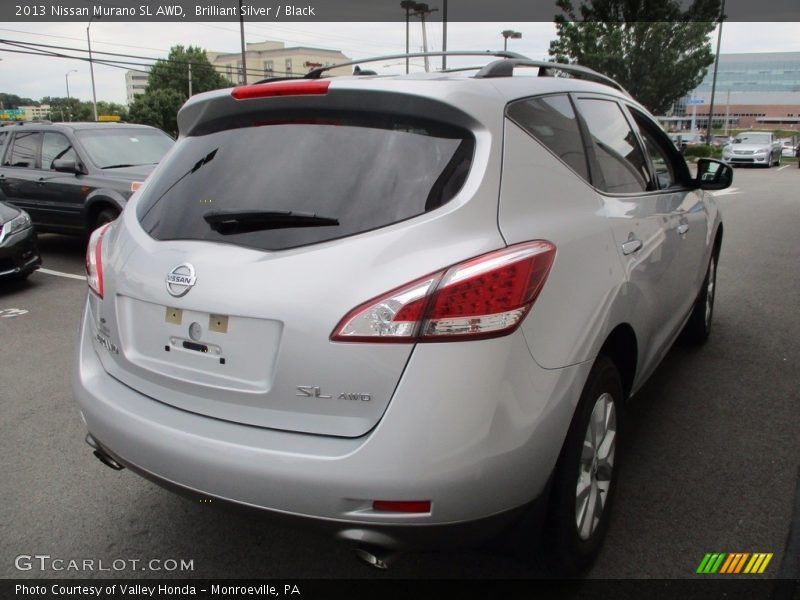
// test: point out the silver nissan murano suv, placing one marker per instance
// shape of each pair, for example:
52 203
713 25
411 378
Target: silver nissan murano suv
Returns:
410 308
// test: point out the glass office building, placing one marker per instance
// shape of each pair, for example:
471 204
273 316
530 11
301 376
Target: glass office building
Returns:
755 72
753 90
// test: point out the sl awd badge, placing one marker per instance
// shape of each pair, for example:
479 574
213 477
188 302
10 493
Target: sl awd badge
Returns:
314 391
180 280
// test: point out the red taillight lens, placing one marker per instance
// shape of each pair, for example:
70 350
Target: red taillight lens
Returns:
484 297
299 87
94 261
402 506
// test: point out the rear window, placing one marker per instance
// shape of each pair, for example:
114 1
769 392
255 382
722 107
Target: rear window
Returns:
286 184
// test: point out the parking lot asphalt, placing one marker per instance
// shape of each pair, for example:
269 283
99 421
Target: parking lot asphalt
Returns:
711 454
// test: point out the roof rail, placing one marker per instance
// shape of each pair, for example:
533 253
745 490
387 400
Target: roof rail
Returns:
317 73
505 68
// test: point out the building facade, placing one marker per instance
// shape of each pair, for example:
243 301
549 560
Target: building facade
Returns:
754 90
274 59
135 84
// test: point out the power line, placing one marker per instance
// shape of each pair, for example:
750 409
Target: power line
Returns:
222 69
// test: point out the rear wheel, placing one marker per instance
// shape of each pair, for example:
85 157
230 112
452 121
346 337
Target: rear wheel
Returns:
586 474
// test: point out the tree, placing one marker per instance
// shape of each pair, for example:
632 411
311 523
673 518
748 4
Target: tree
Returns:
168 87
655 50
159 108
173 73
72 109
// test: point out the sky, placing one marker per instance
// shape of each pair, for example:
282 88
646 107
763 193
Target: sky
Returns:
39 76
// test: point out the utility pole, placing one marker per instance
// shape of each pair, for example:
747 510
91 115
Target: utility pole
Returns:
190 80
91 68
241 33
421 10
408 6
444 34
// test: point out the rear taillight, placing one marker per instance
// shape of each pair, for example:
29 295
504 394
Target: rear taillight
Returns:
94 260
484 297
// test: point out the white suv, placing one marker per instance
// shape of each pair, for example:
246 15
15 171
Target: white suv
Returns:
399 305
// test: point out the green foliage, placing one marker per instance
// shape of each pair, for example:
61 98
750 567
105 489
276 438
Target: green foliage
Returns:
168 87
655 50
173 73
9 101
699 151
159 108
72 109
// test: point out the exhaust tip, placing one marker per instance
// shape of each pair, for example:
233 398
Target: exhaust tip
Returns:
107 460
101 455
374 557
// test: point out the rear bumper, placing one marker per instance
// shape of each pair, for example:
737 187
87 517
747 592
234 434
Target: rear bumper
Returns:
480 448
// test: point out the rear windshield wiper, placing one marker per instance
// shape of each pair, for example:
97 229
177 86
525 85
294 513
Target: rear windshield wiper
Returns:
233 222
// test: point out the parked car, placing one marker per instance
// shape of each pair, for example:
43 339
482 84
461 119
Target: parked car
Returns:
753 148
74 177
409 309
720 141
684 139
19 252
787 148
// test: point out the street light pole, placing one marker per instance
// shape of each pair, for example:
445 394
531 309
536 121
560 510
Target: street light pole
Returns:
66 78
91 68
714 78
509 33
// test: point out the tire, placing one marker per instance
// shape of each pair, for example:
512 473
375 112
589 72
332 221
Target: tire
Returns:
105 216
585 480
698 327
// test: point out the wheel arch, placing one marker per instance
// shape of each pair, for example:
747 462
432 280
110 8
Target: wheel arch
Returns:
99 202
622 348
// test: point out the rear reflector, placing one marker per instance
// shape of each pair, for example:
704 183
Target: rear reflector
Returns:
298 87
487 296
402 506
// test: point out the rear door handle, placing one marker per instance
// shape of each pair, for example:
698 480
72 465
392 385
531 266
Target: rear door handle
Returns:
631 246
683 228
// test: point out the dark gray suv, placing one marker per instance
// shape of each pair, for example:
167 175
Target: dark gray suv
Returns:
73 177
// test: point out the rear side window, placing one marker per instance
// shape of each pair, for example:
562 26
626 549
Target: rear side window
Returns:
24 150
286 184
551 120
618 164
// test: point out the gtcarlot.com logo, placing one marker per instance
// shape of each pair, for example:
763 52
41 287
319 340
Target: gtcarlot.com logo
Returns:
45 562
734 563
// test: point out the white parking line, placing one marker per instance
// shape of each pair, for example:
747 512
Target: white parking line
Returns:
783 167
60 274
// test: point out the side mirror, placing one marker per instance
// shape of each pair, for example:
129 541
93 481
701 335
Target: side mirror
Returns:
67 166
713 174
